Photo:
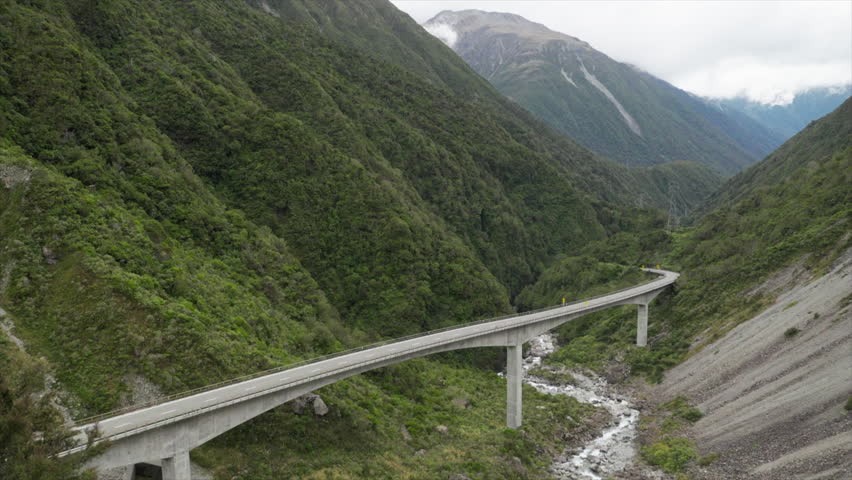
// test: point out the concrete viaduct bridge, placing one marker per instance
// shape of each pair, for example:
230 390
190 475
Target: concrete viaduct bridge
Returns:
165 432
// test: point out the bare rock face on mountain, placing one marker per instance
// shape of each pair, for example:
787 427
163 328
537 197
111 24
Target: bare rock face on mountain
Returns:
610 107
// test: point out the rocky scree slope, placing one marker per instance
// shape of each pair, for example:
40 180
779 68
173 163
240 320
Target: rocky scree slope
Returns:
769 362
773 389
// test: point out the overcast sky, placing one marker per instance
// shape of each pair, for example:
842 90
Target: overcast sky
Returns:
764 50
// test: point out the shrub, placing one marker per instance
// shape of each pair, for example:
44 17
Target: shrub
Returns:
680 408
672 454
791 332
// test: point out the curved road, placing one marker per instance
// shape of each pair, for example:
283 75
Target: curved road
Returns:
142 419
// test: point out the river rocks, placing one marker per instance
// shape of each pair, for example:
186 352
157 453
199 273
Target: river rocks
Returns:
610 452
420 453
299 404
458 476
542 345
442 429
461 402
405 434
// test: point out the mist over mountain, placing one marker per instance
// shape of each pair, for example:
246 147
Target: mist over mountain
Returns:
787 119
613 108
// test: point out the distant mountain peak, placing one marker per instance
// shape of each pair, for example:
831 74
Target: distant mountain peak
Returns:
615 109
791 115
449 26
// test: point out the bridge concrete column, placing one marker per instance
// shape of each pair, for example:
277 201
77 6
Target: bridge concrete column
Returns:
177 467
514 377
128 473
642 326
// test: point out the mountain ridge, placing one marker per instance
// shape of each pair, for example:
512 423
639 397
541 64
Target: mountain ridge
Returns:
790 118
612 108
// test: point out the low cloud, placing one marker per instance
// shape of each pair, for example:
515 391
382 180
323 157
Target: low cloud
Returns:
767 51
444 32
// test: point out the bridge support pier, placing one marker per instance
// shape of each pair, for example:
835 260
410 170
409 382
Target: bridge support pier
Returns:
514 377
177 467
129 473
642 326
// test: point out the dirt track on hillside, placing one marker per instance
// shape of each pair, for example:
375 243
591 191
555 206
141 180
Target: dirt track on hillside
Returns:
774 405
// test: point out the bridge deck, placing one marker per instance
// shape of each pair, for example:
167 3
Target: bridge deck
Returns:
141 419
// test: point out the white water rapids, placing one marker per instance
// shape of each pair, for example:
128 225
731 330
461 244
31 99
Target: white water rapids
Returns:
615 448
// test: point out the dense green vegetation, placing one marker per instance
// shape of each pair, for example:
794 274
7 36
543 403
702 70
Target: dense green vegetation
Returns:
364 439
193 191
30 428
671 454
190 191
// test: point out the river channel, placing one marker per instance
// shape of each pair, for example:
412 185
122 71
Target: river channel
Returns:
610 452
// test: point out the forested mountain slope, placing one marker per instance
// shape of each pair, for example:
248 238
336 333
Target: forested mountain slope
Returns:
757 328
190 191
794 207
612 108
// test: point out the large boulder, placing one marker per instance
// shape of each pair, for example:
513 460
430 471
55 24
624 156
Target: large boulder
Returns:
320 408
300 404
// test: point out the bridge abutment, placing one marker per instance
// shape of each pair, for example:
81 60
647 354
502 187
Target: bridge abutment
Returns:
514 382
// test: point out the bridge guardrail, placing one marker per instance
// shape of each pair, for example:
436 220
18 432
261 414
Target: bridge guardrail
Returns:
177 396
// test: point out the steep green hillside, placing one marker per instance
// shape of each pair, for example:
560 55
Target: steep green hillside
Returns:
612 108
796 205
190 191
24 411
388 34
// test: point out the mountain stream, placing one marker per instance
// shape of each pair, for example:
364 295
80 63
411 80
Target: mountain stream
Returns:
610 452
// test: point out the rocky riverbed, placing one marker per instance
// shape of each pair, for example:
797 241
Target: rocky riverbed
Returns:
614 449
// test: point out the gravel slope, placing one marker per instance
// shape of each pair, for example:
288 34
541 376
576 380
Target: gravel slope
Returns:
774 406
